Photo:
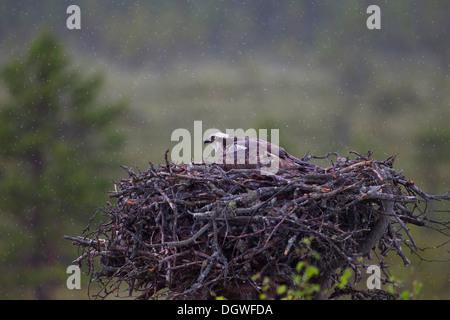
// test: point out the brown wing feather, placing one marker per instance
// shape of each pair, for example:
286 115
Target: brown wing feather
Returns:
253 155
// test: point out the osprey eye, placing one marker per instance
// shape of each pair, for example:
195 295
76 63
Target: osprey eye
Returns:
213 138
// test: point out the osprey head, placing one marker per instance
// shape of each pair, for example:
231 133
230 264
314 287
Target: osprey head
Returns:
217 135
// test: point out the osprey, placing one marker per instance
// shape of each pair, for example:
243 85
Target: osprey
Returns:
252 153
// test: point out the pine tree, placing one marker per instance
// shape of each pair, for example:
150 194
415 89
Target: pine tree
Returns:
57 142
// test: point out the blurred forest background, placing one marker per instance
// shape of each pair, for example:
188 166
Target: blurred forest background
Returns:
75 104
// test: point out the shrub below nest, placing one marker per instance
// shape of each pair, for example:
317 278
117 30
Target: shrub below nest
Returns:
200 231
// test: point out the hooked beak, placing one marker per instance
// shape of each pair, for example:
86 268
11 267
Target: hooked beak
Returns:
207 141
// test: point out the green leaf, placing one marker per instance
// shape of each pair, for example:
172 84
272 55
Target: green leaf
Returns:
299 266
310 272
405 295
343 280
281 289
417 286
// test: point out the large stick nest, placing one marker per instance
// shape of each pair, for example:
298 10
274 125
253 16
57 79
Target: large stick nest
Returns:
200 231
